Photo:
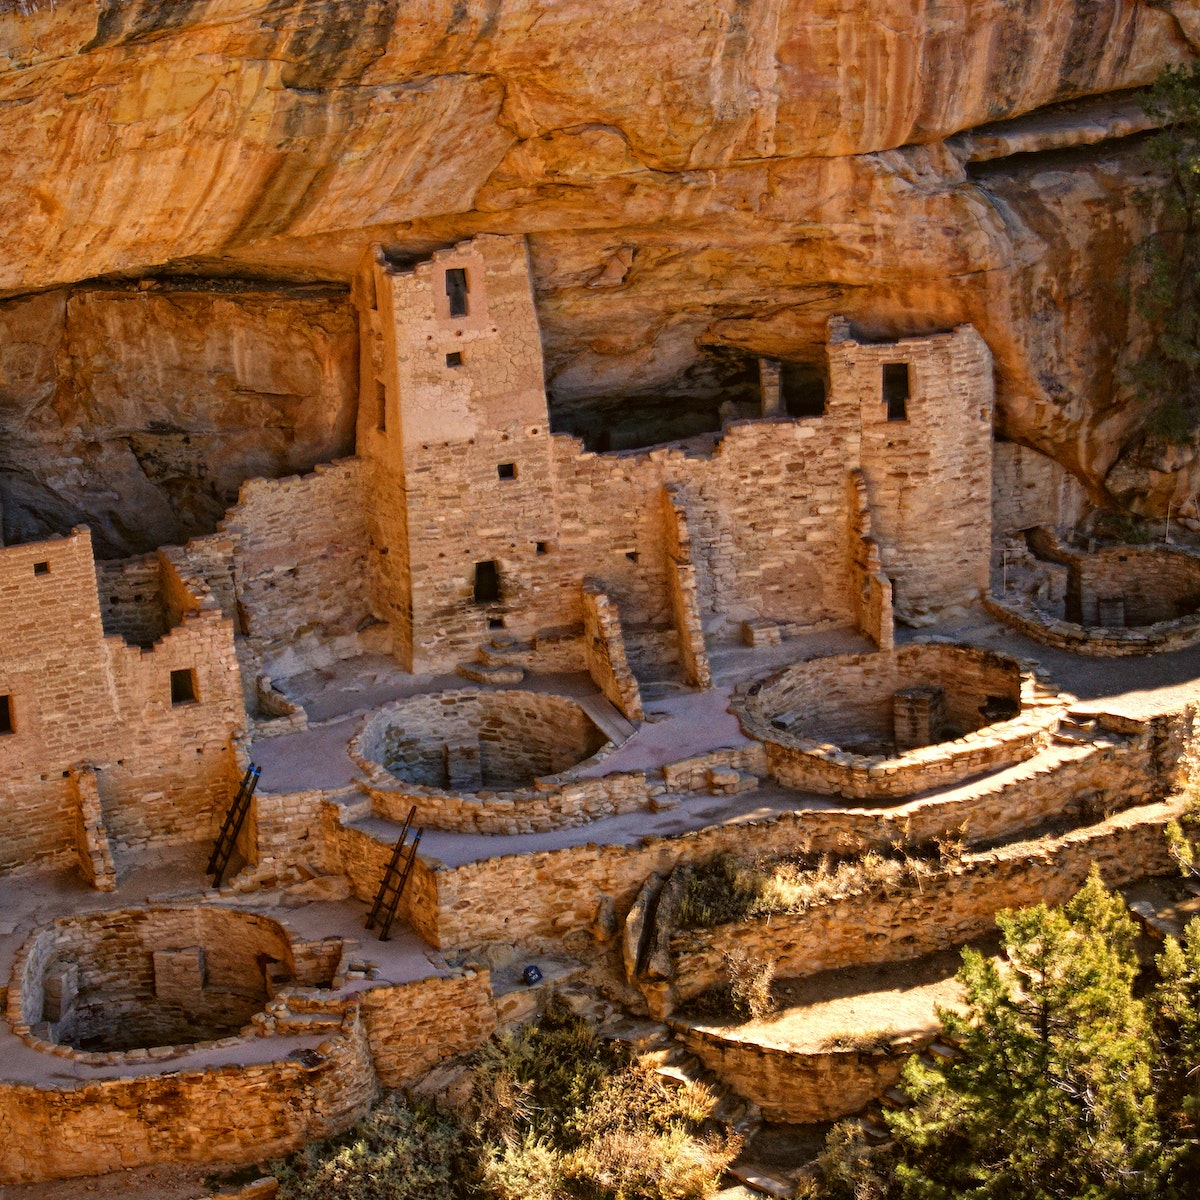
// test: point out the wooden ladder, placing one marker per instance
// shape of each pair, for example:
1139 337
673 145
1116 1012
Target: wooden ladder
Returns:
391 886
235 818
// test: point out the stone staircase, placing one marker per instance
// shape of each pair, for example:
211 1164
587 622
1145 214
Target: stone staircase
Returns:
297 1014
497 662
1085 729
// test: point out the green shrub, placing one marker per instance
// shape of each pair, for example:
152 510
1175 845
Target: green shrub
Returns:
727 889
556 1114
396 1153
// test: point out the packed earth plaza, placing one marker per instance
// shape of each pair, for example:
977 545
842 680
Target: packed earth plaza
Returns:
307 803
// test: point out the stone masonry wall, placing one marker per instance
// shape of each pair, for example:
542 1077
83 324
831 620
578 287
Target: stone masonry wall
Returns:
929 475
948 910
300 556
549 893
795 1086
684 591
413 1026
604 652
131 604
233 1114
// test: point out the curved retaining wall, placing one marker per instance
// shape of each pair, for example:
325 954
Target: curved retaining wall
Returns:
233 1114
805 710
1024 616
797 1086
549 893
877 926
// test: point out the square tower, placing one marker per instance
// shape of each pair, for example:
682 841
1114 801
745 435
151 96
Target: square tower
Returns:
453 424
925 449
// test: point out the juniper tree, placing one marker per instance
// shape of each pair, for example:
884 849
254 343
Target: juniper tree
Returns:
1051 1096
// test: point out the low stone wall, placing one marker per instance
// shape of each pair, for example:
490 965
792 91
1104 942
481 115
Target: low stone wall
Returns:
413 1026
467 740
796 1086
1023 615
560 806
605 654
232 1114
803 712
931 914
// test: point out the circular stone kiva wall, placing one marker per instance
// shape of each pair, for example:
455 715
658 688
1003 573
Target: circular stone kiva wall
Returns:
468 741
898 722
141 978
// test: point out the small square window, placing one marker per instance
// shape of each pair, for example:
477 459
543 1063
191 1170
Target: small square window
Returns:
454 358
183 686
539 547
495 622
6 715
507 470
42 568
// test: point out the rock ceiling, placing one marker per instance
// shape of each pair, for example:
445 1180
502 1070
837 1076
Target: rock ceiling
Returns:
700 181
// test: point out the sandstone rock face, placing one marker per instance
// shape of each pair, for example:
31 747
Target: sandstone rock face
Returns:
701 181
142 411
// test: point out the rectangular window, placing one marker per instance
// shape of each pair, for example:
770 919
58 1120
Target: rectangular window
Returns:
539 547
183 687
454 358
507 470
487 582
456 291
6 715
896 390
381 407
42 568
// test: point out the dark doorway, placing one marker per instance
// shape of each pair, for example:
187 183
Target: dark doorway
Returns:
487 582
6 721
896 390
456 291
802 386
